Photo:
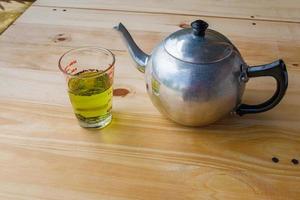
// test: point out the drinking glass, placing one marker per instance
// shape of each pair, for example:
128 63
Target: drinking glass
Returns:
89 73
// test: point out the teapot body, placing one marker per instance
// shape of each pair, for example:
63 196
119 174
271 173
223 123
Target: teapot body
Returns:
194 94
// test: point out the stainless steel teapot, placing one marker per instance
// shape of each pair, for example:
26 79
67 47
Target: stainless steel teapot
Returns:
197 76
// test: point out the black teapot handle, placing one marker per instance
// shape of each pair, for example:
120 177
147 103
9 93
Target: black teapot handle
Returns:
278 71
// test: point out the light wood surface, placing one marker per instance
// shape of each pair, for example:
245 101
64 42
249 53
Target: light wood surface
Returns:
44 154
262 9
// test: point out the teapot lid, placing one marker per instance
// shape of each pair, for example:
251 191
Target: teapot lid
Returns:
198 44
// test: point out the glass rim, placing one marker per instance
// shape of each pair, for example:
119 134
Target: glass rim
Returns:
87 47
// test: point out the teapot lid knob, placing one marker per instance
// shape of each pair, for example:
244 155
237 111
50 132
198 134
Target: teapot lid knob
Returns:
199 27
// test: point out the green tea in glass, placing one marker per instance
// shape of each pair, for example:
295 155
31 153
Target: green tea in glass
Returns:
89 73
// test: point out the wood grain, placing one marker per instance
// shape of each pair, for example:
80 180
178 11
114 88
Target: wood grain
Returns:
260 43
44 154
267 10
150 158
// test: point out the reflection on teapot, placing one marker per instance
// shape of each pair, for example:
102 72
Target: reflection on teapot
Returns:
196 76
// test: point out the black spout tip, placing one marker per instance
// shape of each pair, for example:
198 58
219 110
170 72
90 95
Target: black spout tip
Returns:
118 27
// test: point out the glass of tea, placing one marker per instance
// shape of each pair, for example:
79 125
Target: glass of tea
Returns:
89 72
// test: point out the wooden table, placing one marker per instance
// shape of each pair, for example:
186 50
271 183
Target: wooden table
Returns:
44 154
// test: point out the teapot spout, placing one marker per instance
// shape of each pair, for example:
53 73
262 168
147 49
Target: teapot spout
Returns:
136 53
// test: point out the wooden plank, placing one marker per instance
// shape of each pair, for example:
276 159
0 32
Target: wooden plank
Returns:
142 153
267 10
92 170
260 43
